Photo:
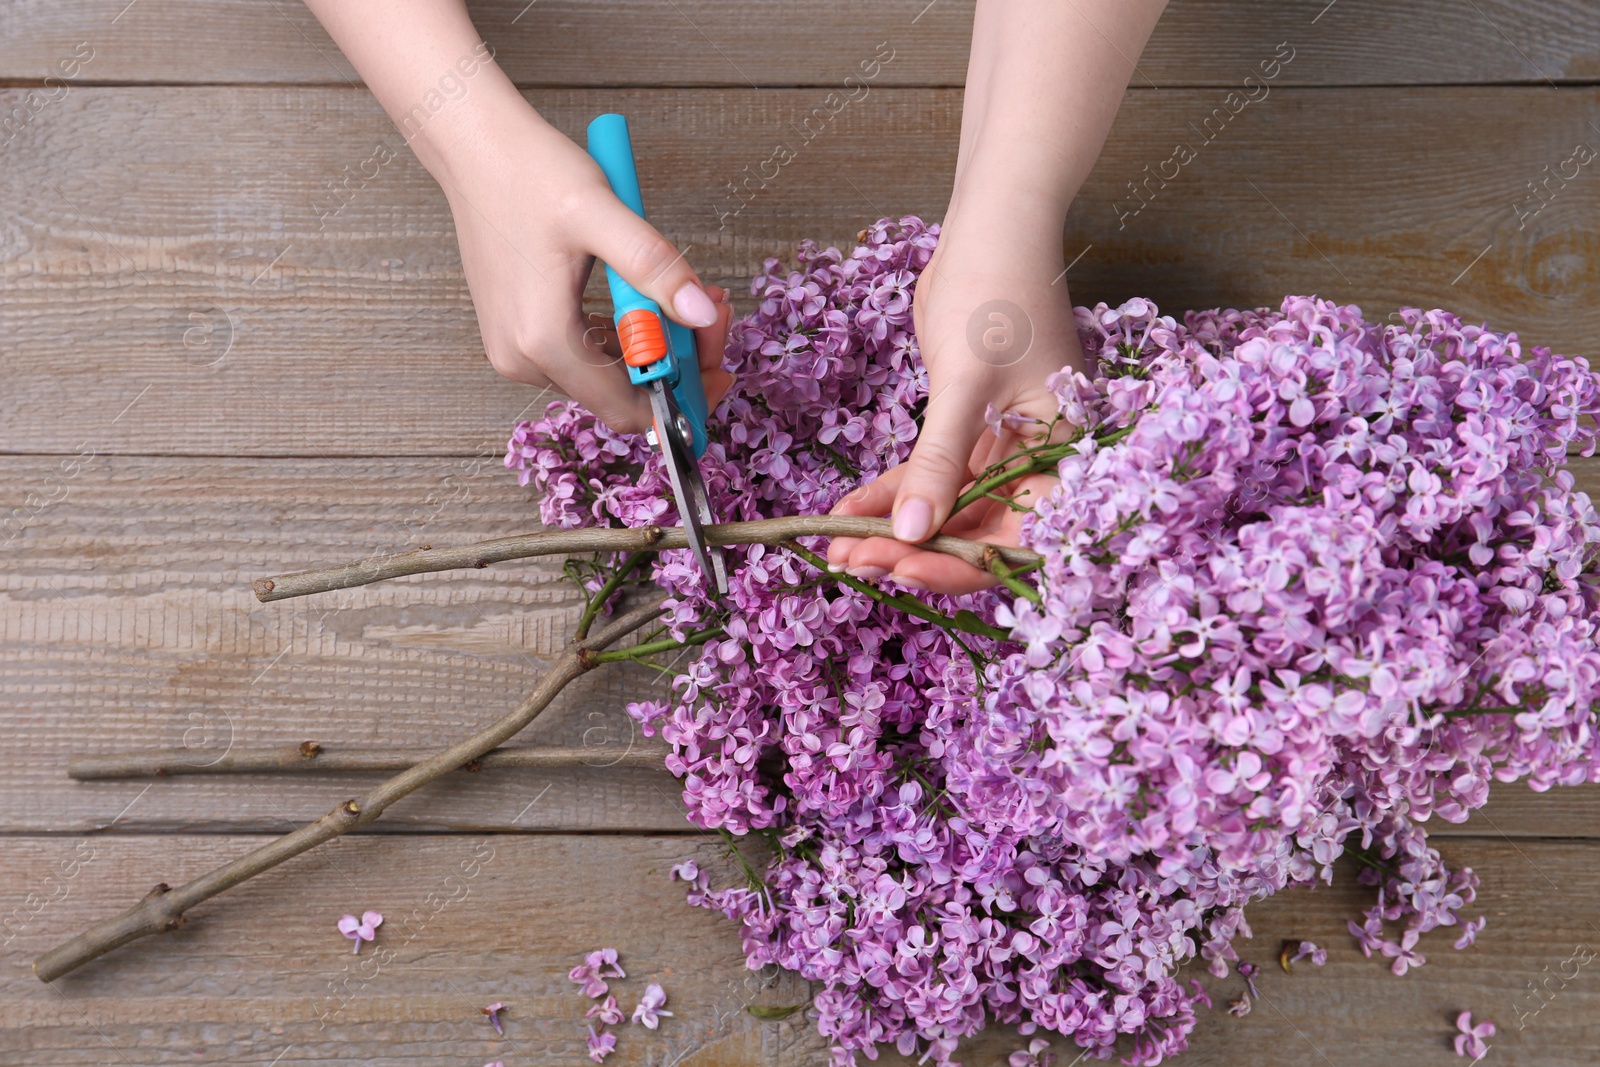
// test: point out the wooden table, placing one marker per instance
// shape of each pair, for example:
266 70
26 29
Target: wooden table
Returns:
217 367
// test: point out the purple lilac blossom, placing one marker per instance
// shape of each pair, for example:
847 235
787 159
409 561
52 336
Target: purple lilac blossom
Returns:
650 1010
1319 955
1310 582
600 1045
591 974
1470 1041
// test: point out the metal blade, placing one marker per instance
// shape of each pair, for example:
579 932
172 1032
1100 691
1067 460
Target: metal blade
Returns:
694 507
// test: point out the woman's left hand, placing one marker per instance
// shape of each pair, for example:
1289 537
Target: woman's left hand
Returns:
993 325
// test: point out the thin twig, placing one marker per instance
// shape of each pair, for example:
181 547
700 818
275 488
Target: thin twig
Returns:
163 908
553 542
313 757
602 596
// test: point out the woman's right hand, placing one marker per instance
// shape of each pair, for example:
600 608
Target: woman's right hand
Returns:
532 212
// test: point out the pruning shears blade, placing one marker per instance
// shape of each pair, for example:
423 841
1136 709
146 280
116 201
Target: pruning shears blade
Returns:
674 437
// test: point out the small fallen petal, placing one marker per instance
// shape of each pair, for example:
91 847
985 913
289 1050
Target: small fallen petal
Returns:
1318 954
650 1007
1248 972
1294 952
1470 1042
1470 931
600 1045
493 1012
362 929
1037 1054
607 1011
1240 1007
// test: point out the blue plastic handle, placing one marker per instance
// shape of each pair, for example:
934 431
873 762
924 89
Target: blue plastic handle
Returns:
612 148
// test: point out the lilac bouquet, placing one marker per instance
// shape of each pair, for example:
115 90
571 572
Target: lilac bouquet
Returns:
1309 581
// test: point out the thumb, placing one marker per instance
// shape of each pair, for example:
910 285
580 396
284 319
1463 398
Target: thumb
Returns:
652 264
939 464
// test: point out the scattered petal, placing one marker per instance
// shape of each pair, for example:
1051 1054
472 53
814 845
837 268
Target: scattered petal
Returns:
1470 1041
601 1045
606 1011
649 1009
362 929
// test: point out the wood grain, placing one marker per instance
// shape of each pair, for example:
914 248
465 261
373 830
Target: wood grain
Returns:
127 622
189 271
174 283
817 42
262 973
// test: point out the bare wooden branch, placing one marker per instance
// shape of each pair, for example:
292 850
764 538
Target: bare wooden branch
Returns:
164 908
312 757
553 542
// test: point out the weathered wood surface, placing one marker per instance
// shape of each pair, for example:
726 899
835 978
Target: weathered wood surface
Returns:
262 973
214 371
814 42
127 622
185 241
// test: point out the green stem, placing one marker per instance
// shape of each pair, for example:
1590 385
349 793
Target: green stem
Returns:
907 603
1014 583
1038 461
653 648
1504 709
596 605
1367 861
757 883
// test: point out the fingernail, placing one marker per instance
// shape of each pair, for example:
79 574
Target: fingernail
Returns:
913 520
836 568
694 307
909 583
727 296
866 573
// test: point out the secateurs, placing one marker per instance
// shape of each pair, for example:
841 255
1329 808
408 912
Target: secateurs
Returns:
660 356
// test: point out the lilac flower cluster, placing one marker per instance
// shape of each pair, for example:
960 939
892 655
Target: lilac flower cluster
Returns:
1309 582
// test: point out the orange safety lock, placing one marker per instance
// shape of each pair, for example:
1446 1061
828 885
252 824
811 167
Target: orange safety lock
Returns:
643 343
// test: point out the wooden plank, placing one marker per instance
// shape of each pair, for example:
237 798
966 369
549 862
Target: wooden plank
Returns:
819 42
261 972
126 623
191 260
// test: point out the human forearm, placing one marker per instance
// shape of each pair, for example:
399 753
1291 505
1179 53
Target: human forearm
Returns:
429 69
1044 83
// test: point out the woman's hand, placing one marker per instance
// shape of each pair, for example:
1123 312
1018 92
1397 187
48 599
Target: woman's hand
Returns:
997 324
1044 80
532 211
